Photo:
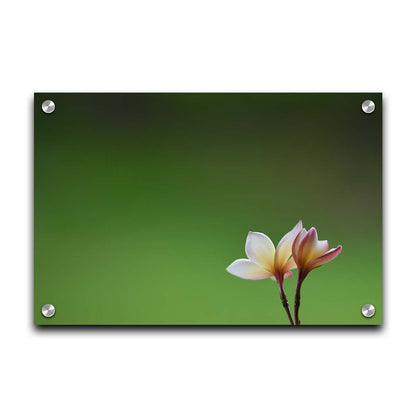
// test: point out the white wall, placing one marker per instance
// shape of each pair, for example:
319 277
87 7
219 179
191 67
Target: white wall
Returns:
206 46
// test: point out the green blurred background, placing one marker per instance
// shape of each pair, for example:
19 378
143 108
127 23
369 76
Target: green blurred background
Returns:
142 200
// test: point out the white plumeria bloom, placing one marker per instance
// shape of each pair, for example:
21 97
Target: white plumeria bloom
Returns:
264 260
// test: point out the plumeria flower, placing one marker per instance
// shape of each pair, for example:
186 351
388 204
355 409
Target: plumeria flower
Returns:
309 253
264 260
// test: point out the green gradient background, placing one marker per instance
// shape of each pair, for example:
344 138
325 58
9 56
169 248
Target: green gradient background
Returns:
142 200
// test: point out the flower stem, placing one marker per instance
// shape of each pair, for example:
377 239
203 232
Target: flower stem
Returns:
283 297
297 297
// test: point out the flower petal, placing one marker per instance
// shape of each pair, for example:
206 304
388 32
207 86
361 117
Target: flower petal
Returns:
311 247
325 258
260 250
296 244
246 269
284 248
290 264
288 274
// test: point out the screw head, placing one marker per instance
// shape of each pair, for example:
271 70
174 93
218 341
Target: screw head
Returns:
48 310
48 106
368 310
368 106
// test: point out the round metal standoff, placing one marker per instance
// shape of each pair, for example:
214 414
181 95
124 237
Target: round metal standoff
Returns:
368 106
48 106
368 310
48 310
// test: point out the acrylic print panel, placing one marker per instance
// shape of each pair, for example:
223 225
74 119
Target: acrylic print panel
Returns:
184 209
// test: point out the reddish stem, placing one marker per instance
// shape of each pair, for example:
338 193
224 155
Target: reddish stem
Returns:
301 278
283 298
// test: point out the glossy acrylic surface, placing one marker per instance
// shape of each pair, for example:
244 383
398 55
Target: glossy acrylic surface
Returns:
142 201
